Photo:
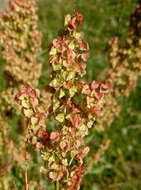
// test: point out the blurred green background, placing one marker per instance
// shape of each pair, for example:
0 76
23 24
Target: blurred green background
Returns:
120 167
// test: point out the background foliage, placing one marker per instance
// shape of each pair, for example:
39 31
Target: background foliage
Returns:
120 167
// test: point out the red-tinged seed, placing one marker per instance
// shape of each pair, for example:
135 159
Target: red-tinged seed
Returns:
94 85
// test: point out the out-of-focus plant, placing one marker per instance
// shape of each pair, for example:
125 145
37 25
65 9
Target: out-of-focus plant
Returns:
125 68
20 42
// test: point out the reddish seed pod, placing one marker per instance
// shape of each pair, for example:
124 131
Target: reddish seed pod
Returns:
72 119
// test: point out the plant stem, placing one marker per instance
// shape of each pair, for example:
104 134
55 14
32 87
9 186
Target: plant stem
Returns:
26 169
57 185
26 179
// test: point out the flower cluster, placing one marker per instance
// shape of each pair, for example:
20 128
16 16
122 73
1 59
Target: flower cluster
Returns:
20 41
75 105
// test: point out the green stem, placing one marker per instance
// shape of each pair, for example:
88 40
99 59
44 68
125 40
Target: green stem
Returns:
57 185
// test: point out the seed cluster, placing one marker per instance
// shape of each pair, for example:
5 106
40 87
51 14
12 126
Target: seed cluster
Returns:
75 105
